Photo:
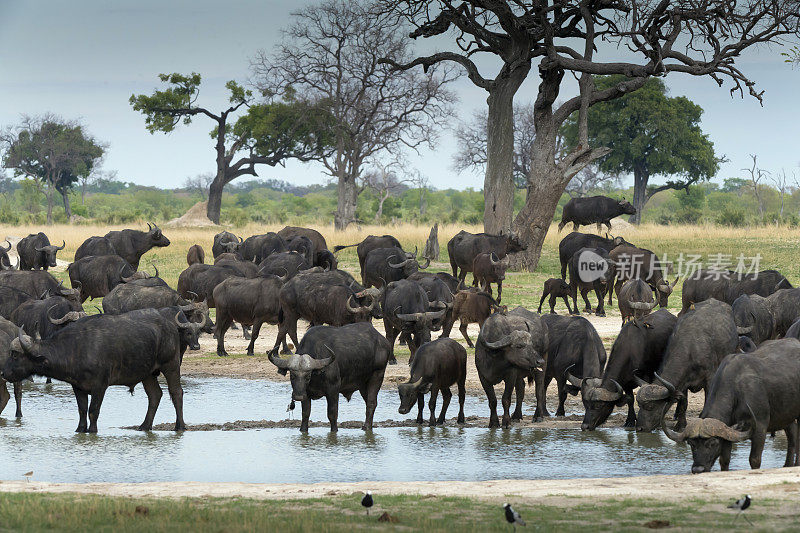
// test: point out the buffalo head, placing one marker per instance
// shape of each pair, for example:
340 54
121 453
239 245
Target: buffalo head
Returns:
625 207
24 359
654 400
514 243
156 237
71 316
190 331
409 392
517 350
663 290
49 252
598 401
300 367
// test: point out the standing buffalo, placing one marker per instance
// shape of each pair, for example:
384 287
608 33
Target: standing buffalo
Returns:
726 285
5 262
635 300
195 255
701 339
385 265
103 350
555 288
45 317
36 252
437 366
225 242
258 247
96 276
451 281
8 332
337 360
33 282
317 240
590 269
635 356
488 269
751 395
250 302
574 347
129 244
470 306
631 262
303 246
198 281
407 312
575 241
509 349
438 293
464 247
766 318
593 210
283 264
132 296
371 242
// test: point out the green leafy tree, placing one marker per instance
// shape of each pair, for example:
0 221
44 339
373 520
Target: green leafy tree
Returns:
265 134
53 153
649 134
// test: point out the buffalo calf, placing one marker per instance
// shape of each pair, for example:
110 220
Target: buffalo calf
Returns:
470 307
487 268
195 255
555 288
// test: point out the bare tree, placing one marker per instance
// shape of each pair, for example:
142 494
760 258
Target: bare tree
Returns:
588 179
781 182
701 38
330 53
421 184
756 176
199 183
383 179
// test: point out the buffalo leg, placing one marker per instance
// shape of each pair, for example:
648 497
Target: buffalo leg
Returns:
5 397
371 399
391 335
630 422
680 411
246 332
18 398
94 408
462 393
724 454
574 295
463 330
600 298
791 442
82 398
519 387
566 302
446 396
506 399
223 323
757 441
306 413
488 388
541 301
420 407
332 399
541 396
499 290
256 330
447 325
176 395
432 405
585 296
562 396
154 393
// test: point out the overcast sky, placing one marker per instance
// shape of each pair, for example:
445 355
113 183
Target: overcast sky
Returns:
84 59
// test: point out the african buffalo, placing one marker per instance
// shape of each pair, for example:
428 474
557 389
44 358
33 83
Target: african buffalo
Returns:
575 353
384 265
337 360
438 293
326 260
470 306
45 317
635 300
509 349
195 255
128 297
575 241
631 262
250 302
371 242
593 210
488 269
258 247
245 269
129 244
555 288
283 264
437 366
5 262
103 350
590 269
701 339
750 395
303 246
464 247
753 318
726 285
198 281
96 276
34 282
8 332
636 354
317 240
407 312
36 252
225 241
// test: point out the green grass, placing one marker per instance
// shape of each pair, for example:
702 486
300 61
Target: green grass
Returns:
73 512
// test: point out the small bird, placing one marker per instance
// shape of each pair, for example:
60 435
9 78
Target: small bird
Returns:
366 501
741 504
513 517
28 476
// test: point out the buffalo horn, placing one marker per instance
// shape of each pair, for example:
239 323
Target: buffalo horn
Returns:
744 331
6 249
399 265
670 387
501 343
643 306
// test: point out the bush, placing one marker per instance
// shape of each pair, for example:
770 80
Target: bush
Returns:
731 217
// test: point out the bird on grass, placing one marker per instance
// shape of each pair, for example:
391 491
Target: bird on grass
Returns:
513 517
28 476
741 504
366 501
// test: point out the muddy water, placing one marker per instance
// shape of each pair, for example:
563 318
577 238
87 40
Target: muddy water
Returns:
44 441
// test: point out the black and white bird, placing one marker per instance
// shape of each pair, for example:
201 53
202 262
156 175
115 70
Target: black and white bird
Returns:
513 517
366 501
741 504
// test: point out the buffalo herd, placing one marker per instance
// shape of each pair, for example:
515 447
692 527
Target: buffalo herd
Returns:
735 338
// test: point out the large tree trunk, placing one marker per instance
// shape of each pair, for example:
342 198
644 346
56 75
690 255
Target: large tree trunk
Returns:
498 182
67 207
640 179
215 198
347 201
535 218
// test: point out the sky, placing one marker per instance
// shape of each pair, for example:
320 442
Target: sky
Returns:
83 60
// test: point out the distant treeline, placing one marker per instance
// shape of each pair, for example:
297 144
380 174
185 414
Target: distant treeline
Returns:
734 203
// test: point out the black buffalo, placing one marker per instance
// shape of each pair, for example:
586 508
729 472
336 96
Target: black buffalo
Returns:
257 247
635 356
337 360
575 353
198 281
438 293
130 244
225 242
317 240
283 264
407 312
385 265
103 350
132 296
726 285
11 298
464 247
8 332
195 255
437 366
34 282
753 318
631 262
509 349
701 339
750 395
575 241
96 276
303 246
452 282
555 288
635 300
590 269
326 260
371 242
36 252
593 210
45 317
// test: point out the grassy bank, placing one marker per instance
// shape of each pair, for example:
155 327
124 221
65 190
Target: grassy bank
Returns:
68 512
